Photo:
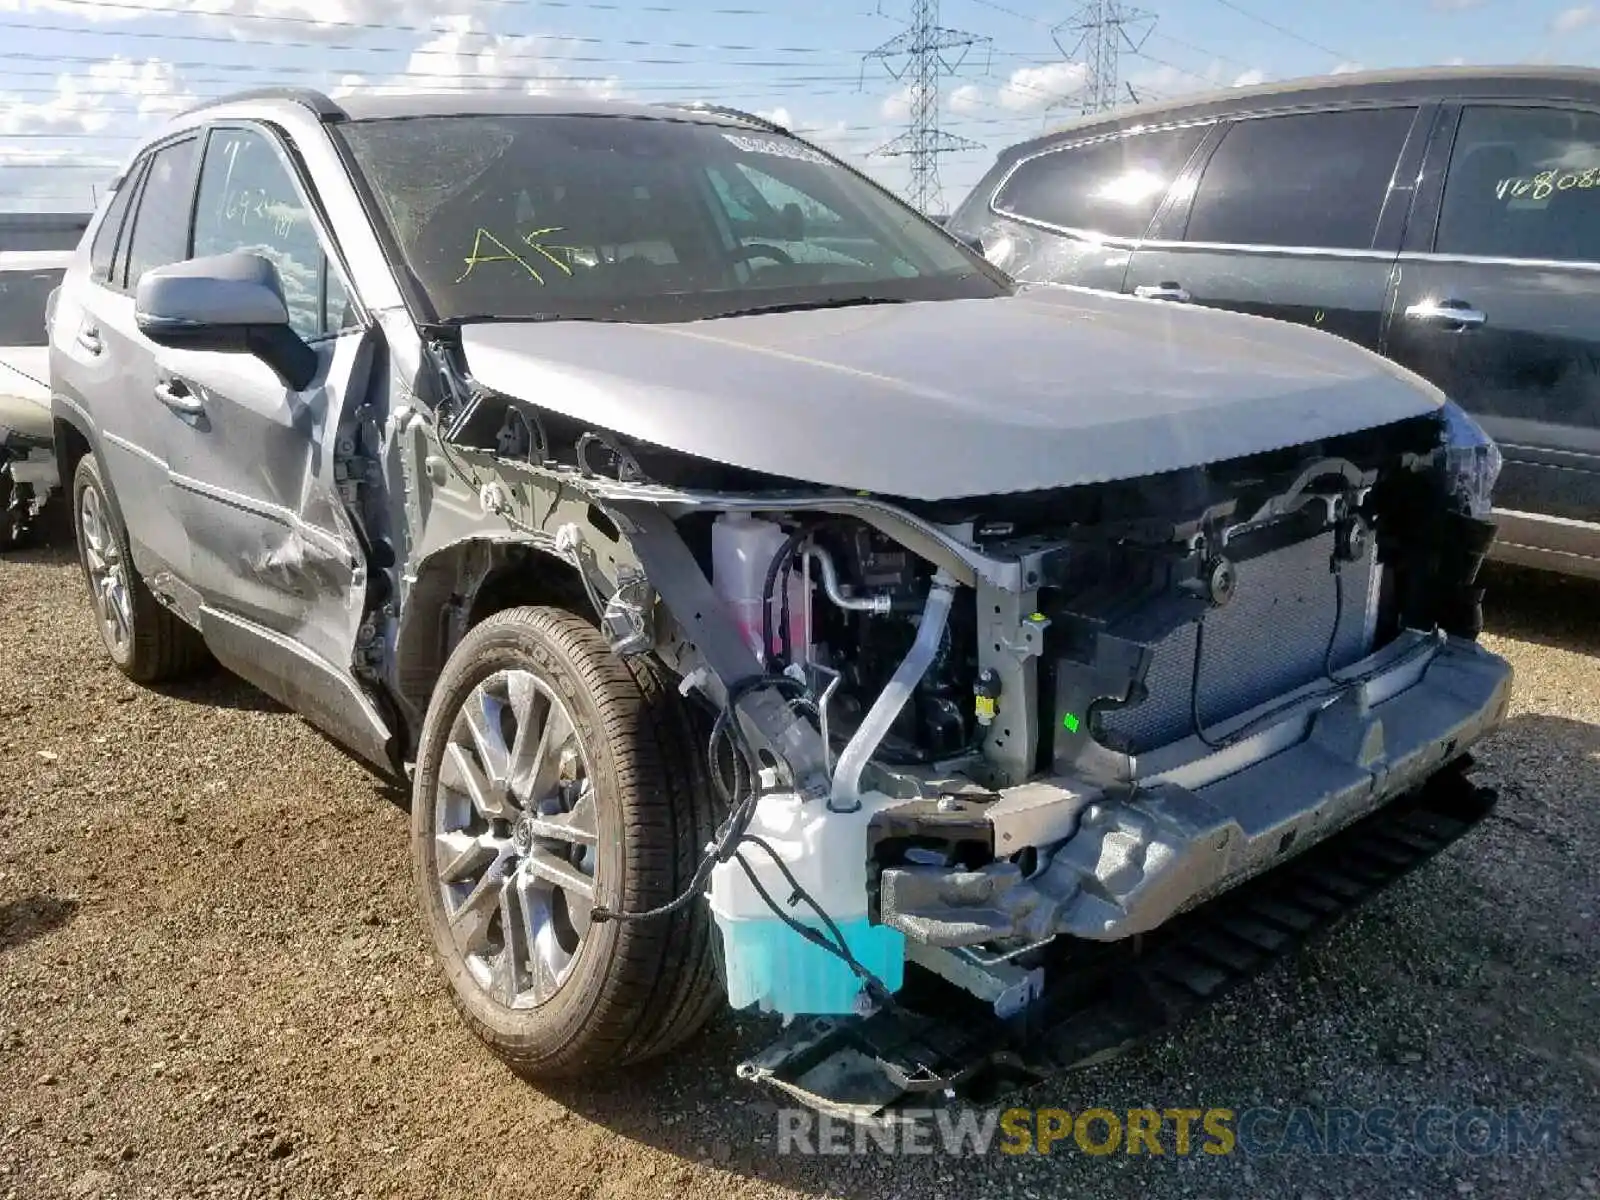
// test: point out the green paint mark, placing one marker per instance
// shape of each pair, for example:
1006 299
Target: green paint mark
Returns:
1071 722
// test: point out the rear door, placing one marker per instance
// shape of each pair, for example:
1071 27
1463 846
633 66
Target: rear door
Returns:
1073 214
1495 303
1294 216
110 368
280 568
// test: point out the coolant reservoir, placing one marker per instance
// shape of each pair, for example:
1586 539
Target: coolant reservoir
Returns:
742 550
768 963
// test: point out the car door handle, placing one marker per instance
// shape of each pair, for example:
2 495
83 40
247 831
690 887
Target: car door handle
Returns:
89 340
1162 291
1447 312
179 398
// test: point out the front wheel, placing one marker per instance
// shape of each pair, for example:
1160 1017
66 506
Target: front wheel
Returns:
553 776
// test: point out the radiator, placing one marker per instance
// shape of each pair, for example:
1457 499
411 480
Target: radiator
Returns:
1271 638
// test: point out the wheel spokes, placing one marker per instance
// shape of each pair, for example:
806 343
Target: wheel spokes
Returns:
515 838
461 774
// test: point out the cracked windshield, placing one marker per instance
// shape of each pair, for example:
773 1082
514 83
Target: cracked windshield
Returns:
619 218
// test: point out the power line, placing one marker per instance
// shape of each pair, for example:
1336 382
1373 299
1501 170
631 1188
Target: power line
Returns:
923 51
580 39
1284 30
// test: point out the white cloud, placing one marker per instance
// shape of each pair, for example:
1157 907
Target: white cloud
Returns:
968 98
1571 20
92 100
330 20
896 107
1347 68
1250 78
467 57
1039 87
1456 5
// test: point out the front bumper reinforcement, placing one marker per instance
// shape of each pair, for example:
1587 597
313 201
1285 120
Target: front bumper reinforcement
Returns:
1101 998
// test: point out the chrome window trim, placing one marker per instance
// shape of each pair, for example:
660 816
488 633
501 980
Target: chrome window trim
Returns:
1286 251
1487 260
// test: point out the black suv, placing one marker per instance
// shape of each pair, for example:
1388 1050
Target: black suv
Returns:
1448 218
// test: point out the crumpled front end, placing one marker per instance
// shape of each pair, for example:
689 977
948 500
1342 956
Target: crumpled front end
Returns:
962 740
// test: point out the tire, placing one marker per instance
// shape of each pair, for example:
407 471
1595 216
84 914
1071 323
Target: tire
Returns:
631 989
13 523
147 643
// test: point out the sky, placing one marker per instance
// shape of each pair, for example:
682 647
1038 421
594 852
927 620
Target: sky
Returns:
82 80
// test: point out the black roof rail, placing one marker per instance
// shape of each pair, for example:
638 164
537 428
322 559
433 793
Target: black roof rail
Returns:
316 101
723 110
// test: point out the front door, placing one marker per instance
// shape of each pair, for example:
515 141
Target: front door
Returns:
1494 303
280 568
1287 219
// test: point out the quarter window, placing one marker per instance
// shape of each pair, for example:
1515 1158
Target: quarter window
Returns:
1112 187
248 201
1523 183
1312 179
161 226
103 253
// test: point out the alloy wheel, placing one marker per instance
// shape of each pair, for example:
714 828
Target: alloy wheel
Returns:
514 838
107 572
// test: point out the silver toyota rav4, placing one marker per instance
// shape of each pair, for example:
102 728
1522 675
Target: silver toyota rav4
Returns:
770 603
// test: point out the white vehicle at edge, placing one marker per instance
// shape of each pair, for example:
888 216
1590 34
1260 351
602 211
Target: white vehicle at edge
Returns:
27 458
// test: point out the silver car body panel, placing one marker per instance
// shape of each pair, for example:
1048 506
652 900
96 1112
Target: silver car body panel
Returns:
1053 387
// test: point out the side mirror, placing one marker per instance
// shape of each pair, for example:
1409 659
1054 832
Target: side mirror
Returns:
229 302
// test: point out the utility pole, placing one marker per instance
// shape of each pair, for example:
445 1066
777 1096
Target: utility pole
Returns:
1103 29
920 56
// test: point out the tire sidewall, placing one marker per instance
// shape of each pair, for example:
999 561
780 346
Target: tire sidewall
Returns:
560 1021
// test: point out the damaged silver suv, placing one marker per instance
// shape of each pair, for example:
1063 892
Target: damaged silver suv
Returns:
770 603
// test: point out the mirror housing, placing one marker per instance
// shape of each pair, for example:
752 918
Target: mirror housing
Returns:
228 302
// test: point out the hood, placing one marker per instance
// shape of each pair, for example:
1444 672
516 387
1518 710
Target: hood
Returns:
1052 387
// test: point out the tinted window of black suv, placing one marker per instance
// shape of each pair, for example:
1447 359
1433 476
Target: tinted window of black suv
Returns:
1311 179
1524 183
1111 187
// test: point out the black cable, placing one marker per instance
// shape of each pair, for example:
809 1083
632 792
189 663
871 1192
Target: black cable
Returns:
875 986
1194 687
741 796
1338 620
778 563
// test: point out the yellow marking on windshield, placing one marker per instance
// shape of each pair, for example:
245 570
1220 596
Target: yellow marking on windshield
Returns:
528 239
507 254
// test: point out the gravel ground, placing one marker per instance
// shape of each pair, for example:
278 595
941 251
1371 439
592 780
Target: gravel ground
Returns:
212 983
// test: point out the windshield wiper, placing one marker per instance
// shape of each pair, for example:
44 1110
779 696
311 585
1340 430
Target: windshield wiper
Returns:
806 305
516 318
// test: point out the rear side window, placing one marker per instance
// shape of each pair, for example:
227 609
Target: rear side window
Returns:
1111 187
161 226
1523 183
103 253
1312 179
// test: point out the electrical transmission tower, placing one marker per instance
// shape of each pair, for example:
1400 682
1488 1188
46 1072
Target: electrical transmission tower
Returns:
1104 29
920 56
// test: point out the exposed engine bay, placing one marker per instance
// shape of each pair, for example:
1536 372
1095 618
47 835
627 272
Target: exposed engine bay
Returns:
954 733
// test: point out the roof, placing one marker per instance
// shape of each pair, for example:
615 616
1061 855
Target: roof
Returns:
1417 83
378 104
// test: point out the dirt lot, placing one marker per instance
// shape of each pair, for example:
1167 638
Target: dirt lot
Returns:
212 984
